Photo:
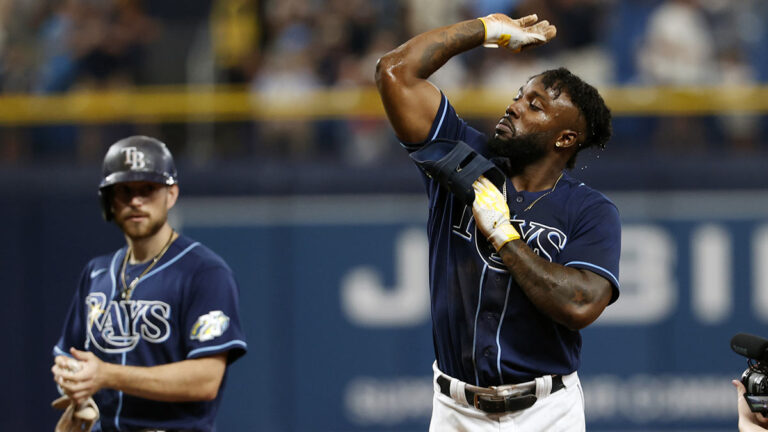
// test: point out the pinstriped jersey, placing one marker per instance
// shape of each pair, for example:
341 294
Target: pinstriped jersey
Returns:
185 307
486 331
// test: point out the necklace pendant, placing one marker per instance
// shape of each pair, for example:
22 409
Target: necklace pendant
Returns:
128 289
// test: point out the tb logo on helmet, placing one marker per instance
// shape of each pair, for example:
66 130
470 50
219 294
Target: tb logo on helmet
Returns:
134 157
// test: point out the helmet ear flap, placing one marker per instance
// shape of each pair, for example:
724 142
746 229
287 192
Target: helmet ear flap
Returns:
105 196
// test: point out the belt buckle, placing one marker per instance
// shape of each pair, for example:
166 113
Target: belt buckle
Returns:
501 394
487 397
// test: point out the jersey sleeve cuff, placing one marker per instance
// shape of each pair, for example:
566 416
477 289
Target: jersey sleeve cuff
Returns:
600 271
437 124
237 348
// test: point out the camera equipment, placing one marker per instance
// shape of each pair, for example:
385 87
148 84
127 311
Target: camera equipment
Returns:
755 378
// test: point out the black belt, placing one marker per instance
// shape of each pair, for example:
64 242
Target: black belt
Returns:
499 404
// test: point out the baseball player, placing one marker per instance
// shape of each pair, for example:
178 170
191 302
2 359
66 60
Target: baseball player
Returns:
154 325
522 255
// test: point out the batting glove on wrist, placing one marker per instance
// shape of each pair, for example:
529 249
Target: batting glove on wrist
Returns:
516 34
76 417
492 214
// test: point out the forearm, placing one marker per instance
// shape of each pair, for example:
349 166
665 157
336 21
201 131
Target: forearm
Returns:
184 381
570 296
422 55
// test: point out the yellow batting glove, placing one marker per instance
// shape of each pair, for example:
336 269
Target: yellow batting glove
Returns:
515 34
492 214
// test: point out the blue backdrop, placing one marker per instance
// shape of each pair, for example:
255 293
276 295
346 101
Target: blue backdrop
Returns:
335 308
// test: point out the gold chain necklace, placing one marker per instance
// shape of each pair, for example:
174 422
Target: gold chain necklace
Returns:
537 199
128 289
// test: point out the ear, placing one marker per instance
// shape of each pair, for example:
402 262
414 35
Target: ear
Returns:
566 139
173 195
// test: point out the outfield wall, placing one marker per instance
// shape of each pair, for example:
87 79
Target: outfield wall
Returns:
334 303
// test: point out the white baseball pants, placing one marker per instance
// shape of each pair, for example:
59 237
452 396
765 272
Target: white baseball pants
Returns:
560 411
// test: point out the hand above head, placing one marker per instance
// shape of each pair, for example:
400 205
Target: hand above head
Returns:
492 213
80 376
516 34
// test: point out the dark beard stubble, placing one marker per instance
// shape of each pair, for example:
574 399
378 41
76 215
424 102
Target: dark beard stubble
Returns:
516 153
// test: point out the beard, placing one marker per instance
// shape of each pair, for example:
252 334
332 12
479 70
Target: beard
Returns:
515 153
143 230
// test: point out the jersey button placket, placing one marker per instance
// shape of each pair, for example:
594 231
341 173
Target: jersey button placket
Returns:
492 318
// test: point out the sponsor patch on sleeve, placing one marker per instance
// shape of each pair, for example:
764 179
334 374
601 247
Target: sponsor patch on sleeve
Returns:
209 326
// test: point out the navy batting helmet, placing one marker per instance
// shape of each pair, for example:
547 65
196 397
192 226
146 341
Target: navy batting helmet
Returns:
136 158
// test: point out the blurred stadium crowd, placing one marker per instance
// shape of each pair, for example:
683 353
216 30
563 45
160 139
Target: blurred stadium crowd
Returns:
290 47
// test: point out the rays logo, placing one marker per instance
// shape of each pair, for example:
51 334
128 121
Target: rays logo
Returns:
118 326
209 326
134 158
545 241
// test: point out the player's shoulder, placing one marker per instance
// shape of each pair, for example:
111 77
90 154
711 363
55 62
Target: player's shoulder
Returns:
582 196
195 255
101 266
463 130
106 260
447 124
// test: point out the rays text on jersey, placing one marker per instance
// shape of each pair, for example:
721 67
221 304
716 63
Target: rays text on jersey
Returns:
118 326
546 241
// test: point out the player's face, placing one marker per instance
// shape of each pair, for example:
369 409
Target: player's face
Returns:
532 123
141 208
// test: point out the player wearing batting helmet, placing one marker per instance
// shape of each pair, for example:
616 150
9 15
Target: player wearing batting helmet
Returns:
152 326
522 255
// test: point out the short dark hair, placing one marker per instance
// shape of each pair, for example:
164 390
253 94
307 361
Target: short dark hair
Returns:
597 116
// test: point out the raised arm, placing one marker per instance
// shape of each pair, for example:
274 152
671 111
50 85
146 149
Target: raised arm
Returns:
411 102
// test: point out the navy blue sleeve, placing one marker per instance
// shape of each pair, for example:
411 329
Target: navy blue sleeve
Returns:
211 318
445 125
448 125
73 331
595 243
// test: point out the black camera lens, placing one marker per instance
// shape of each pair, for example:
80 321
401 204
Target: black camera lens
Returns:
754 382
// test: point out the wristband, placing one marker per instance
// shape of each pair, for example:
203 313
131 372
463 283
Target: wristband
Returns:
501 34
502 235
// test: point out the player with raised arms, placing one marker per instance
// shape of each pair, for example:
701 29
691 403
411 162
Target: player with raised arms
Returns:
154 325
522 254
